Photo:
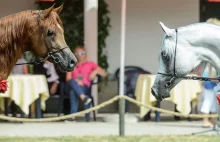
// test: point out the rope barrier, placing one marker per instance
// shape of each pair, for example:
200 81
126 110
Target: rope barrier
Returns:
16 119
170 112
51 119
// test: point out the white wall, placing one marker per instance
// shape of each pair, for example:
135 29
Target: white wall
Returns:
144 34
8 7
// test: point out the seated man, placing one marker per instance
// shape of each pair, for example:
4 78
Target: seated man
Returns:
79 80
48 69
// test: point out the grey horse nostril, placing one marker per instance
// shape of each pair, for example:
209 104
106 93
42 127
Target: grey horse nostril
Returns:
155 95
153 92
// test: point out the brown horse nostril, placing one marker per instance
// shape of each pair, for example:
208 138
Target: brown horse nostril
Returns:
72 63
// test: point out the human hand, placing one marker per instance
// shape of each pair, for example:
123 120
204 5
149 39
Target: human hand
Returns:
79 82
53 88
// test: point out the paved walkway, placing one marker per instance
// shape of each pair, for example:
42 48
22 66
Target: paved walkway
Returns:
100 128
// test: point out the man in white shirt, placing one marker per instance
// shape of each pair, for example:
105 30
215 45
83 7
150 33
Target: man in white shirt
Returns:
53 79
49 71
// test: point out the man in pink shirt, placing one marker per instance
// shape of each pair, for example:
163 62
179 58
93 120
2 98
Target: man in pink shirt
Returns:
79 80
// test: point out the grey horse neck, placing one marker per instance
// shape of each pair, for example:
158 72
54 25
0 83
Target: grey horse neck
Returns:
204 39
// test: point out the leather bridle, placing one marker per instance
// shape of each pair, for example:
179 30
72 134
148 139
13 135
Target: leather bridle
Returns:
50 54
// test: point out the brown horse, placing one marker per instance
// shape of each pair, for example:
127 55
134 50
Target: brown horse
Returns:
38 31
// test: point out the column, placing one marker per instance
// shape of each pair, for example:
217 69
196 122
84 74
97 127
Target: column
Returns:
91 36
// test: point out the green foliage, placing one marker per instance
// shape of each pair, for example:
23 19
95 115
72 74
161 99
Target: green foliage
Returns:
103 32
72 17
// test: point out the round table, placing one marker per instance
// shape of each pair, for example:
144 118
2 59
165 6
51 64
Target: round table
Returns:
182 94
24 90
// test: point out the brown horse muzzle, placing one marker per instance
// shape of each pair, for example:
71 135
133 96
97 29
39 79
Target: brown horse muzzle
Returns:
65 59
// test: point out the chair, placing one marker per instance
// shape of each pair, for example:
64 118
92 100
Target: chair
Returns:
64 94
92 99
131 74
58 96
59 102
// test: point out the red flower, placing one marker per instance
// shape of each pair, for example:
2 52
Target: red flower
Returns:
218 98
3 86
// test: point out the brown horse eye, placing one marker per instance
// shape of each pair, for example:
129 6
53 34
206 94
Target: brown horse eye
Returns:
50 32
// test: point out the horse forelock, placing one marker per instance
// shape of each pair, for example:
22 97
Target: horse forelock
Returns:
167 47
53 21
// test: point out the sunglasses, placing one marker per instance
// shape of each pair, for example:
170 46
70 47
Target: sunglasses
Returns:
80 53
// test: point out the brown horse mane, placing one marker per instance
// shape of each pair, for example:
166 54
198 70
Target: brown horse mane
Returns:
12 28
12 39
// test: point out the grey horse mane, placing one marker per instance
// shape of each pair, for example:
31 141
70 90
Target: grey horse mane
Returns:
170 48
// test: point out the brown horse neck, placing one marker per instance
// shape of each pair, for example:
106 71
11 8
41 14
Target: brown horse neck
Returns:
14 39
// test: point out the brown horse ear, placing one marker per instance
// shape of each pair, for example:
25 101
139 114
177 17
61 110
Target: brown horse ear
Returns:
59 9
46 12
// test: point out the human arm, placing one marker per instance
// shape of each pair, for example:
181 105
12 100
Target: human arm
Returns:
68 76
25 69
97 71
53 88
212 74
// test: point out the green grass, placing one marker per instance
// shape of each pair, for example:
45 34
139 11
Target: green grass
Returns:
115 139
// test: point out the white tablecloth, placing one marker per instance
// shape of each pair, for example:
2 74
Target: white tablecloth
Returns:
25 89
182 95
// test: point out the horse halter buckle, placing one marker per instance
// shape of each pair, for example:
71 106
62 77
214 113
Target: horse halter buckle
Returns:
55 59
168 83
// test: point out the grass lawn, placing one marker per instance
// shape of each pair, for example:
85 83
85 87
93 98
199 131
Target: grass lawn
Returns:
116 139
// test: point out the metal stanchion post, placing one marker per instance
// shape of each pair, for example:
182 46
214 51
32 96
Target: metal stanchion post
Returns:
122 117
121 93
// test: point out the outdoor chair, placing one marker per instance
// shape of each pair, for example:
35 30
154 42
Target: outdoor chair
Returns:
131 74
64 94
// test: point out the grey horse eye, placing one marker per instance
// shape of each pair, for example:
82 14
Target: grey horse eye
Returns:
164 56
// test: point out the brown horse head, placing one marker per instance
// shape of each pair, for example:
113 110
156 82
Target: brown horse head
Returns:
47 38
37 31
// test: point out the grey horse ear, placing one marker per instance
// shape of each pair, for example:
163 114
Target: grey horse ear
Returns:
46 12
167 30
59 9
